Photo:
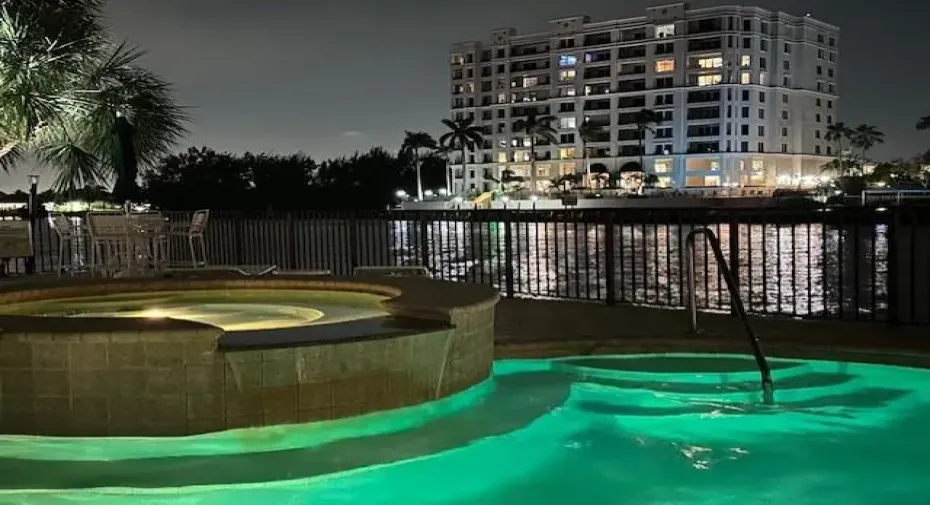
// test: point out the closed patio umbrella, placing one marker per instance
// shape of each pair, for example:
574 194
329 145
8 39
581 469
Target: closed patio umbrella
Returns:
125 164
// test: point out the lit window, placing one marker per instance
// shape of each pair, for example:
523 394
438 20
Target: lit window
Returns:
530 81
663 31
745 61
521 156
567 123
502 157
458 59
664 182
665 66
469 87
502 98
567 91
566 75
745 78
709 80
662 166
567 153
567 60
708 63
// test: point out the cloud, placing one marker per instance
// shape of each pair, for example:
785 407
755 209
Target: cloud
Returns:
352 133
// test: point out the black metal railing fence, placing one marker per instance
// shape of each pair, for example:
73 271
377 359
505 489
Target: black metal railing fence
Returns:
840 263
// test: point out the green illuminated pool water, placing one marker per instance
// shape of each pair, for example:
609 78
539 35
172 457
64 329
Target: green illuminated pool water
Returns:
645 430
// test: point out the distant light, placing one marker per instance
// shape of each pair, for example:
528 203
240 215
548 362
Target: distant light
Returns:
534 198
428 193
505 198
34 179
881 184
881 209
400 193
443 191
154 314
457 199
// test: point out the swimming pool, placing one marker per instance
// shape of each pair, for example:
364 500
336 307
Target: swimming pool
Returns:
644 429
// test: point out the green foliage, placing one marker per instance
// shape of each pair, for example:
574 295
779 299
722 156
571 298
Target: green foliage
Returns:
204 178
64 81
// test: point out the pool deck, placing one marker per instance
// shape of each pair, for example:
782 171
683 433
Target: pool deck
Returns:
543 328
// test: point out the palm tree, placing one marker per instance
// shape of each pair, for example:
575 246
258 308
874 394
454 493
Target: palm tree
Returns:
64 85
462 135
865 137
646 120
443 152
416 145
536 127
839 134
924 123
587 133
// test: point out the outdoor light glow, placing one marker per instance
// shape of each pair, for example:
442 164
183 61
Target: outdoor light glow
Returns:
34 180
400 193
457 199
534 198
881 209
428 193
881 184
443 191
505 198
153 314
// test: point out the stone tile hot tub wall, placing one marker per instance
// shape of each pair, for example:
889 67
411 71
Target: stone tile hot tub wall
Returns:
122 377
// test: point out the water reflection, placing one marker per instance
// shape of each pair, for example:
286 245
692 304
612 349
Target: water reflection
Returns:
807 269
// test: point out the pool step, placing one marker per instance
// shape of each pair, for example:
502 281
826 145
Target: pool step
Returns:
645 405
794 388
672 368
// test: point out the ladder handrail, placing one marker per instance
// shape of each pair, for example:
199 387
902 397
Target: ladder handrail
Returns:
764 371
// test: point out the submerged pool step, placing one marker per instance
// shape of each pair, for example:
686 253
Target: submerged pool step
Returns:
679 368
643 404
798 387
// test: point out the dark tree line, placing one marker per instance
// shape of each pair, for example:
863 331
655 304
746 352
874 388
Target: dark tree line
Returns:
204 178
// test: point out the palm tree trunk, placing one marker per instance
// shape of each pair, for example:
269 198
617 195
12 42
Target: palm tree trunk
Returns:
448 173
642 148
532 165
463 167
416 163
587 166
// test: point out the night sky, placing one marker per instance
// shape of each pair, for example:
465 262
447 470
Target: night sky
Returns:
328 77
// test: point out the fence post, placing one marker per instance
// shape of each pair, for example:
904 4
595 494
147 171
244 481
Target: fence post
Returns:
892 282
237 234
610 265
33 209
734 259
423 235
508 254
353 242
291 241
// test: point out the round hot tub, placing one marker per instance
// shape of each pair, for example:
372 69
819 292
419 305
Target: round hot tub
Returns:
210 352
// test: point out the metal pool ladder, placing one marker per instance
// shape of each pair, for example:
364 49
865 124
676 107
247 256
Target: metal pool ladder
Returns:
768 387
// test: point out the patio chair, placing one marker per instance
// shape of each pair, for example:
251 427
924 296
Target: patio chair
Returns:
400 271
109 241
67 232
194 234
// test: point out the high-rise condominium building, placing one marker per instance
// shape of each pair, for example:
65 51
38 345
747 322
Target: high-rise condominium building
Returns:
744 96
